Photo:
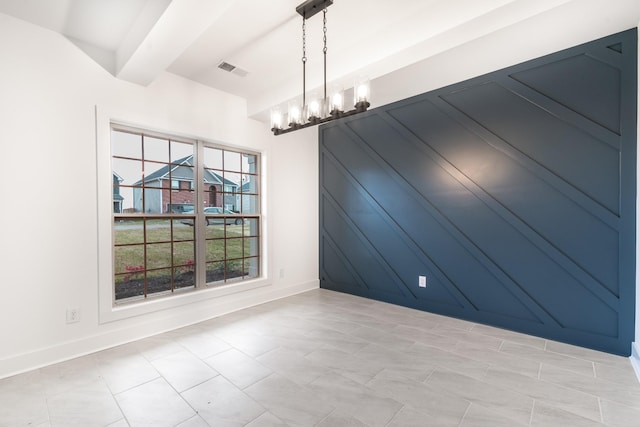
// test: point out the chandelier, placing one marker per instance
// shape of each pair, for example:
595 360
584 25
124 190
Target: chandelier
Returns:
318 110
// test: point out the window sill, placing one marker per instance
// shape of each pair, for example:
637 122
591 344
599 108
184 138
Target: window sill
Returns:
126 310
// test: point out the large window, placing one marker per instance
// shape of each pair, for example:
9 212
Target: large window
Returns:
186 214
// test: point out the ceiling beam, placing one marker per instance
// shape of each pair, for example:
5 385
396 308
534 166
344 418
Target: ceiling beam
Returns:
146 54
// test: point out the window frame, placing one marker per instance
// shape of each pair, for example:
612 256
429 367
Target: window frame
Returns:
109 310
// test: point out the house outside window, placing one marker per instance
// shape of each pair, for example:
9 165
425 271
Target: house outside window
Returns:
170 238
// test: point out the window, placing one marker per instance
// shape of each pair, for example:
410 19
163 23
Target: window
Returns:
164 244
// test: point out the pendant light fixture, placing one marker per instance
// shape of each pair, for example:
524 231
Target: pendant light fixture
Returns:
318 110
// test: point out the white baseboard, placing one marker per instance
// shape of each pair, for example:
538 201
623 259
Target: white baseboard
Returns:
67 350
635 358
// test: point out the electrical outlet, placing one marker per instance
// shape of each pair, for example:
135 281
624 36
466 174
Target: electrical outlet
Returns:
282 273
422 281
73 315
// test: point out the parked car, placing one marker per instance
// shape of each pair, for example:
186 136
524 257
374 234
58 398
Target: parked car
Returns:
215 210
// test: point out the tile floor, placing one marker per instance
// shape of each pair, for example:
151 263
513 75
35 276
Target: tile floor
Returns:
328 359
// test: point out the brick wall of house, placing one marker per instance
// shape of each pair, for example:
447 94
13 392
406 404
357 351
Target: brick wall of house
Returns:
186 196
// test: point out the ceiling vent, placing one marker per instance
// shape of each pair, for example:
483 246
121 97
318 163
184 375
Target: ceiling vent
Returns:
232 69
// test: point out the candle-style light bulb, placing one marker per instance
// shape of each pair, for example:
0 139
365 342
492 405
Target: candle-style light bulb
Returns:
276 120
361 95
337 103
314 110
295 114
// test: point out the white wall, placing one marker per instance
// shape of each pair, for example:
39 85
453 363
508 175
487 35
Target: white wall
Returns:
49 223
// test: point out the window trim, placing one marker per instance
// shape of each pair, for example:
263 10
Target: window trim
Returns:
108 310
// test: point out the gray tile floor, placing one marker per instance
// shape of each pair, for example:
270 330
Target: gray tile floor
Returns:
328 359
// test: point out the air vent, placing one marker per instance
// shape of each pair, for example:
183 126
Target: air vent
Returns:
226 66
232 69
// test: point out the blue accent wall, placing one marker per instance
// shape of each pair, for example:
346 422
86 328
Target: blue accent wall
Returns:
513 193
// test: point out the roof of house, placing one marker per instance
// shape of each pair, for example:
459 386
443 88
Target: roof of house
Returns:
182 169
118 177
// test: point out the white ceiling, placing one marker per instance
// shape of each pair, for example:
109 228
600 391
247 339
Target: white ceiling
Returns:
137 40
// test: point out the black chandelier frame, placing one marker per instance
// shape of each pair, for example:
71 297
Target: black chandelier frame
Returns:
308 9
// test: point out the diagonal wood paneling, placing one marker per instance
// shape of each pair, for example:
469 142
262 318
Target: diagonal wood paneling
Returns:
514 193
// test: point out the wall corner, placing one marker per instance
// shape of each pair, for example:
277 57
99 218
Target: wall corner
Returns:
635 358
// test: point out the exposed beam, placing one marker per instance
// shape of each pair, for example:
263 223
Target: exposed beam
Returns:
141 59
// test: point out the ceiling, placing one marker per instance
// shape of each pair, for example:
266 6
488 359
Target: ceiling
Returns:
137 40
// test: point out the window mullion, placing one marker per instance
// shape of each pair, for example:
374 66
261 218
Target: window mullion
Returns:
199 222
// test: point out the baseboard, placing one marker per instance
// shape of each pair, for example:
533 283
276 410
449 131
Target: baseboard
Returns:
67 350
635 358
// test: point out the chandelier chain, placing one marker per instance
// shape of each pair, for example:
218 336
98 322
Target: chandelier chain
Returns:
324 50
324 30
304 61
304 40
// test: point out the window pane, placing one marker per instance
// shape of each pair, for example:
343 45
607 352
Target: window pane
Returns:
184 254
129 260
234 269
252 267
249 184
212 194
234 248
158 255
128 285
182 202
232 182
181 152
251 227
212 158
250 204
152 201
182 231
156 149
214 232
249 163
215 272
158 230
185 208
215 250
126 173
184 277
183 173
124 144
232 161
127 231
158 281
251 246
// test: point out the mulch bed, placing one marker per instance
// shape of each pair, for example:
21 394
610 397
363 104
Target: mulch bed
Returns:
135 287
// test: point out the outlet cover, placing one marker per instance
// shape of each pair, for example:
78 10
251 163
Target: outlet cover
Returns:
73 315
422 281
